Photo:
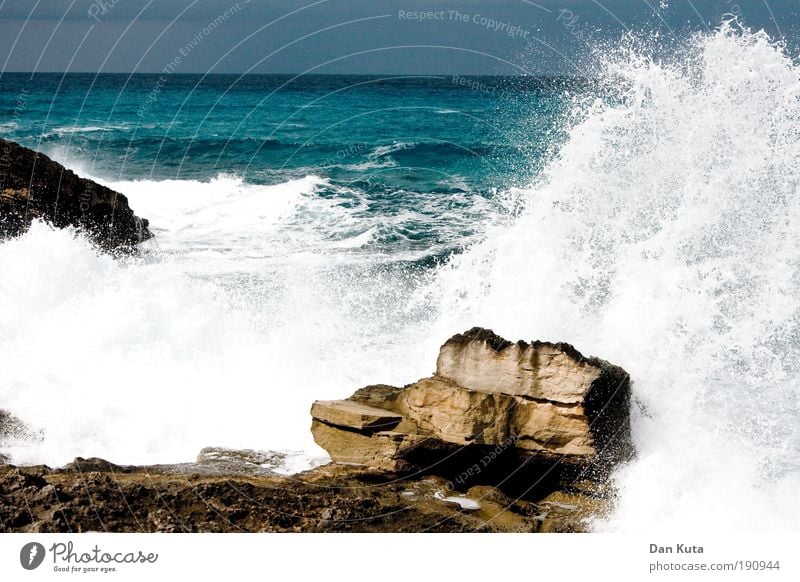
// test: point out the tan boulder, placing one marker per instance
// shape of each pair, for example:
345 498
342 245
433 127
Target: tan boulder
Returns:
489 398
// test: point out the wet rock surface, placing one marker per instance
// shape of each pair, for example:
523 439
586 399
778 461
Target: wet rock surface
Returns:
95 495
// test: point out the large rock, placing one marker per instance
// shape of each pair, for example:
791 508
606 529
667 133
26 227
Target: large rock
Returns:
527 402
32 186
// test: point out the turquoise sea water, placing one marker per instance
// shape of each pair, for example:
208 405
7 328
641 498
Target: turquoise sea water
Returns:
439 145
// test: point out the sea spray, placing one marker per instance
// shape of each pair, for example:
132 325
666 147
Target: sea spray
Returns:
664 237
148 361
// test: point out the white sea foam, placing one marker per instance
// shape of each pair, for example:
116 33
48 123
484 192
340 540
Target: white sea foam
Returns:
249 309
147 361
665 237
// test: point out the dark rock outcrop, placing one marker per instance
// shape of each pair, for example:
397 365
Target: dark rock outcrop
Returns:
32 186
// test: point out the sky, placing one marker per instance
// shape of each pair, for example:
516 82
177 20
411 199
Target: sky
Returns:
468 37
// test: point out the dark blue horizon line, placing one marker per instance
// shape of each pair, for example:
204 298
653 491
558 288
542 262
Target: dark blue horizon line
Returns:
298 75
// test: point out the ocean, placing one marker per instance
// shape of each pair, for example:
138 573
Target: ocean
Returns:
316 234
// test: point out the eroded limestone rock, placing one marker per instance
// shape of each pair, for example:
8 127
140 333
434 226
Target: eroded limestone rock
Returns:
538 401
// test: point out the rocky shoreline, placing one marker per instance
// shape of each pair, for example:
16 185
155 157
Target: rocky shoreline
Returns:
94 495
505 437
